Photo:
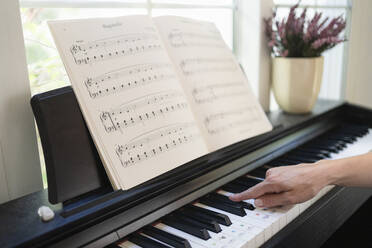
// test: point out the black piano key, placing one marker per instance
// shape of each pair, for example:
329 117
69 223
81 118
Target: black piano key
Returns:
326 142
239 211
259 172
276 163
247 182
322 147
201 233
218 217
361 126
361 129
168 238
233 187
199 216
332 143
314 151
210 225
248 206
300 158
145 242
352 132
343 139
329 143
308 155
286 161
342 143
223 198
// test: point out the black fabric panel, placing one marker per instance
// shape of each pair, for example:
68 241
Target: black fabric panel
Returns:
72 162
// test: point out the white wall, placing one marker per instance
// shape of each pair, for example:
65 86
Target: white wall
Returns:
251 47
19 161
359 69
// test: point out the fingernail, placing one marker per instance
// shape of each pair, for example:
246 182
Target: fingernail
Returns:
258 203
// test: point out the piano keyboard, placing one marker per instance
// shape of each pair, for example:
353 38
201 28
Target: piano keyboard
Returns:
215 221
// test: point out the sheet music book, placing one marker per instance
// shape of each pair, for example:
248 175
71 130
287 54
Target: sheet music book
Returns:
156 92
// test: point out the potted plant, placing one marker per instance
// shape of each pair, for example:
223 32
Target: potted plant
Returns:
296 44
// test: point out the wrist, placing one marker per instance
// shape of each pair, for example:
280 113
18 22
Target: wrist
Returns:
326 172
332 171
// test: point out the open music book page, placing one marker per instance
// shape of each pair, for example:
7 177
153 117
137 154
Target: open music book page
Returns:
130 96
219 94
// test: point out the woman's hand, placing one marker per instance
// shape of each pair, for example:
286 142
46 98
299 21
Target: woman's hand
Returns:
287 185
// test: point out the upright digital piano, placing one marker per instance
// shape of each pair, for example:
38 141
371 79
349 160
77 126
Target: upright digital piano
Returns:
188 206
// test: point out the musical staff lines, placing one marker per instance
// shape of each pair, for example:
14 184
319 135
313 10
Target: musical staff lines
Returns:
190 67
189 39
114 47
143 109
127 78
220 122
214 92
156 142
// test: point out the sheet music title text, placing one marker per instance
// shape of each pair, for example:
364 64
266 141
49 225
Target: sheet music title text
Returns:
112 25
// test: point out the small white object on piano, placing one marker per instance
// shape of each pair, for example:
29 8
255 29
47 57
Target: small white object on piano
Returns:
45 213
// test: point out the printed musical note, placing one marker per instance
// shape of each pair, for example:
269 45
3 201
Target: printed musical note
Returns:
187 39
156 142
143 109
113 47
127 78
232 119
214 92
205 65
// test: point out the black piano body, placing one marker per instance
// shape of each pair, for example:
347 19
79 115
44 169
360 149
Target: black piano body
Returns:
90 214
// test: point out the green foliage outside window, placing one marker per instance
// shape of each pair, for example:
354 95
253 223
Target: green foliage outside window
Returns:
45 68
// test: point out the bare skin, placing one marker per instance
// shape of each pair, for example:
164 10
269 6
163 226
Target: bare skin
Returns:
295 184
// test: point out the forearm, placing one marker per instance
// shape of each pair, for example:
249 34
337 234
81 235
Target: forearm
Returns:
353 171
298 183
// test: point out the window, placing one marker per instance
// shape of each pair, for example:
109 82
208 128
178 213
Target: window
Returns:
46 71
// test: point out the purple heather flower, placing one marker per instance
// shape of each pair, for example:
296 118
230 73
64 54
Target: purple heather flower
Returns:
296 36
329 41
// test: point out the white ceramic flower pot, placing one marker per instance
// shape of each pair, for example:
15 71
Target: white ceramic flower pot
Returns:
296 83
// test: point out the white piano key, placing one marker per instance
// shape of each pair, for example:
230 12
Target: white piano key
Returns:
282 215
278 214
303 206
293 212
128 244
256 232
328 188
277 217
243 237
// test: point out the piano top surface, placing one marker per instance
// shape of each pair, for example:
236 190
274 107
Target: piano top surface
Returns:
21 223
